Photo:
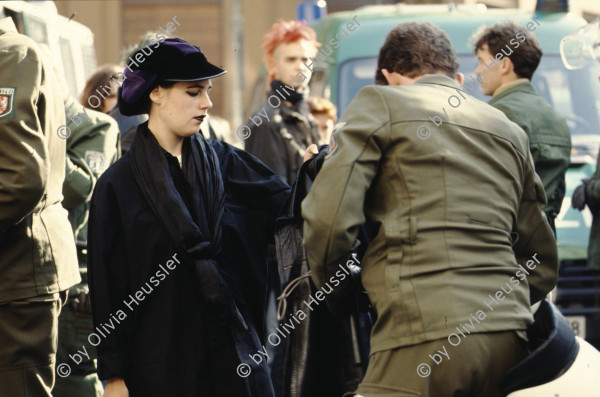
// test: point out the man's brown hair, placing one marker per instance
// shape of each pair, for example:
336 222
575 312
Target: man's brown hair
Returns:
413 49
523 50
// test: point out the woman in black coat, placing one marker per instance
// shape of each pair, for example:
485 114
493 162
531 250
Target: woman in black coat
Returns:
177 243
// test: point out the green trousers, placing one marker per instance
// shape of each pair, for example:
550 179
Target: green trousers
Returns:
469 366
28 339
73 331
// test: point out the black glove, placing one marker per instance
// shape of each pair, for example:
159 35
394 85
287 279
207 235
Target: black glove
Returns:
578 200
342 303
314 164
592 203
583 194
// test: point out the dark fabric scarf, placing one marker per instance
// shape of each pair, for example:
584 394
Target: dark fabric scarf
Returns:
298 99
201 239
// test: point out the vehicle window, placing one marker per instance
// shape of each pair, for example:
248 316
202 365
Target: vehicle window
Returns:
69 66
37 30
354 75
89 60
319 83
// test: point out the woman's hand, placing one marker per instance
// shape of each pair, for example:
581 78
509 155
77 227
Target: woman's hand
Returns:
115 387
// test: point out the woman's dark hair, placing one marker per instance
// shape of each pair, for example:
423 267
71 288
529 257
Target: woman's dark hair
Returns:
525 53
414 49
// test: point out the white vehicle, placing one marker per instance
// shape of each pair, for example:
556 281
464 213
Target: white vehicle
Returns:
70 43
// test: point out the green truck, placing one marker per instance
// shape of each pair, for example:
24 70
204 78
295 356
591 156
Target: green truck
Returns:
347 62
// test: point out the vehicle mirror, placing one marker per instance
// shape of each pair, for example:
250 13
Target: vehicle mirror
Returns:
580 48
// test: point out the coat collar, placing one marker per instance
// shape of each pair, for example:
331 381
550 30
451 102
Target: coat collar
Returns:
522 87
510 85
438 79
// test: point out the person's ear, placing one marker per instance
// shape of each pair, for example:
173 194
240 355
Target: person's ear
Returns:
460 78
393 78
507 66
270 64
156 95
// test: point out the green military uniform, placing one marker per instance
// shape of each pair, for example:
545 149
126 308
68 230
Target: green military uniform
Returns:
449 181
549 136
94 144
38 258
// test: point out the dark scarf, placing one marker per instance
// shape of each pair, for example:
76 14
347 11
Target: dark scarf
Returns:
298 99
195 228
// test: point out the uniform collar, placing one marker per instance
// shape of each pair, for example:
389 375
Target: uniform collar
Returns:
509 85
522 86
439 79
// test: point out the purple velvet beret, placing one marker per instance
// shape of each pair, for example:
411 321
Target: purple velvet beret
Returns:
169 60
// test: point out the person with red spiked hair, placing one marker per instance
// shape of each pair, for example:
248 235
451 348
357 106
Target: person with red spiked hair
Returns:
281 128
281 131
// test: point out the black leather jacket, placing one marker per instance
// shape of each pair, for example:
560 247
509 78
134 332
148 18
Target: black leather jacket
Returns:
325 354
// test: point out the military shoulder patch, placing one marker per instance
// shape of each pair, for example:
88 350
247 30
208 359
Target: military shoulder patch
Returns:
7 101
332 141
95 160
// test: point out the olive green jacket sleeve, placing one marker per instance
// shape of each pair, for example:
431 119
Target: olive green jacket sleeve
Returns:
533 237
333 210
94 144
550 147
24 167
79 178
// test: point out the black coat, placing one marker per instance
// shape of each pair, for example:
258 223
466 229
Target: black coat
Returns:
271 132
168 342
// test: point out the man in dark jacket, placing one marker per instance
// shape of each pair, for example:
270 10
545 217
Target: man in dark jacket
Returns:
38 262
281 128
507 60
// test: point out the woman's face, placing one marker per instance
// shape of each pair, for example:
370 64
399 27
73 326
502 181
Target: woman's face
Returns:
180 109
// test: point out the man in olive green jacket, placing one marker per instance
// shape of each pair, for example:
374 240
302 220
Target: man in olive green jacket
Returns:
92 146
448 183
507 61
38 260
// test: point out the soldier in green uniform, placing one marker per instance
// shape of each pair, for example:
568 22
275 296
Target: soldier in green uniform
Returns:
92 146
457 211
38 262
508 57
